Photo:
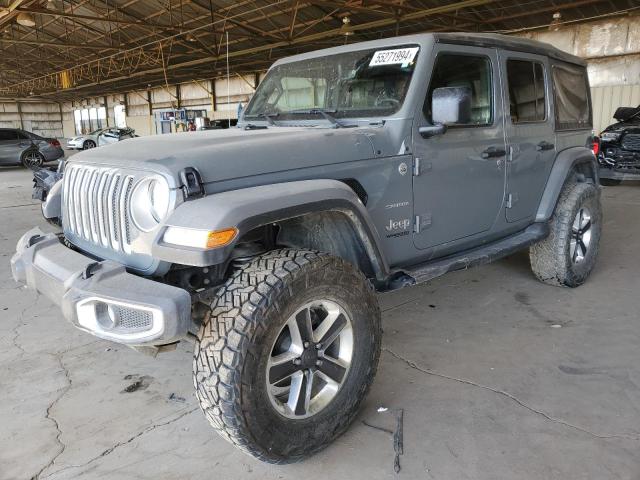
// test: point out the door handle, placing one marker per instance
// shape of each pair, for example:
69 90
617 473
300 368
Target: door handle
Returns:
493 152
542 146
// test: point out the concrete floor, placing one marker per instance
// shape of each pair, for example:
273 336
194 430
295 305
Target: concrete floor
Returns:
499 376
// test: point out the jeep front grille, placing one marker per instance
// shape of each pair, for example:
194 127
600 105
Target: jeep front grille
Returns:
631 141
95 205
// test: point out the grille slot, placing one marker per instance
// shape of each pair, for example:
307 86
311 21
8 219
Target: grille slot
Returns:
631 141
95 206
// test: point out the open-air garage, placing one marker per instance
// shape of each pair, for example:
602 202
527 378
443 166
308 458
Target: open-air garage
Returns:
319 238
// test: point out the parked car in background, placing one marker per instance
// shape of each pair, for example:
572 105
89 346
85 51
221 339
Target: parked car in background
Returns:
86 141
619 152
113 135
19 147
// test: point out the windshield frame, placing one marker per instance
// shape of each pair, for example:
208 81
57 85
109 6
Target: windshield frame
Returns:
315 116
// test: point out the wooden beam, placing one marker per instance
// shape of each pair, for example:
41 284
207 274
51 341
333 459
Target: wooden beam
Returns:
95 18
58 44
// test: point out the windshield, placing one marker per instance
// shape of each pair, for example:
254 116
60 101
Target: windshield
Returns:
364 83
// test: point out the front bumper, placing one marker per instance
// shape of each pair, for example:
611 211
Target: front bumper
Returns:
101 297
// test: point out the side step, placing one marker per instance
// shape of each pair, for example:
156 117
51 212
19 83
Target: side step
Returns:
472 258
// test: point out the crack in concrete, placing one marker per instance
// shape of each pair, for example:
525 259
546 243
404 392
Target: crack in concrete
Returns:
114 447
63 391
20 324
511 397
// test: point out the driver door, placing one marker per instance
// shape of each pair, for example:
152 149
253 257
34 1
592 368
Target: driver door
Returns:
459 179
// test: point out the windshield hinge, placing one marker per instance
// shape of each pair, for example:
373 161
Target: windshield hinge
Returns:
191 180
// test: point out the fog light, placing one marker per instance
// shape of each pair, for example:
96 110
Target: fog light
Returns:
107 316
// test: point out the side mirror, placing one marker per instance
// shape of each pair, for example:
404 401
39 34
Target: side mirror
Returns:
451 105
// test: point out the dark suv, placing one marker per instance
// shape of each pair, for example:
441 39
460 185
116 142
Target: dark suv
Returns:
361 168
619 153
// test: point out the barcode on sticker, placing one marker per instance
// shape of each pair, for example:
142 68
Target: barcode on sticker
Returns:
391 57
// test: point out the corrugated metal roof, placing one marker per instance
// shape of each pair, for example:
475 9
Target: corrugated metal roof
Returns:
116 45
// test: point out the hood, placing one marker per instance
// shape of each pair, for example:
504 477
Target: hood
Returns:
629 126
235 153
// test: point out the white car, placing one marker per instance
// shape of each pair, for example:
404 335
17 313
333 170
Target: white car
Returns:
97 138
86 141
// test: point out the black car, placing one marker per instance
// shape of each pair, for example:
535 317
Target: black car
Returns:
619 153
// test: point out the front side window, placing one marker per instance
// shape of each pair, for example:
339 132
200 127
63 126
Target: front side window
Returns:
354 84
470 72
571 89
525 81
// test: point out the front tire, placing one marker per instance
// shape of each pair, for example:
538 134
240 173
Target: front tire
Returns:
260 348
567 256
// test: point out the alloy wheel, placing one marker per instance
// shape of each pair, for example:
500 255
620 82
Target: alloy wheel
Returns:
32 159
310 359
580 235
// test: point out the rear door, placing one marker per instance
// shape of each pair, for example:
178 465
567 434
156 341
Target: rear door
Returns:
459 186
9 146
529 129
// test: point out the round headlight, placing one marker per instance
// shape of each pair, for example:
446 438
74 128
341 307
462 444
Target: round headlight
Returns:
150 203
159 198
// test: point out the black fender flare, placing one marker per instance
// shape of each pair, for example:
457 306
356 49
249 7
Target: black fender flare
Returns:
575 160
253 207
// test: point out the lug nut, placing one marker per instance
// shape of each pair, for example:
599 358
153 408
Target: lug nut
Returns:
297 361
306 344
319 363
318 346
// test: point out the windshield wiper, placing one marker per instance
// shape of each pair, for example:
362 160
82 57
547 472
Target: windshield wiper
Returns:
319 111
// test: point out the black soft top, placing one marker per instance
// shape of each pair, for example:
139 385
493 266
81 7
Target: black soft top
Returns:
506 41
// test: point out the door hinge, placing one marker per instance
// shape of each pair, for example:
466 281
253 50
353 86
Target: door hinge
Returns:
421 222
419 166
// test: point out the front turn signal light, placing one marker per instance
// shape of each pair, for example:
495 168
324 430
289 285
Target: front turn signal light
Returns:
220 238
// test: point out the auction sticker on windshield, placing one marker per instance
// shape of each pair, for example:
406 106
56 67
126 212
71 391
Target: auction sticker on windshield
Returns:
403 56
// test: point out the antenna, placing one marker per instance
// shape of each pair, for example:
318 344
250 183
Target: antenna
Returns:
228 83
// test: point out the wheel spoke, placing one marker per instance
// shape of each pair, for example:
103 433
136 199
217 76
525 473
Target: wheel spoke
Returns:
574 250
583 248
330 328
303 321
576 222
332 369
300 393
282 369
586 226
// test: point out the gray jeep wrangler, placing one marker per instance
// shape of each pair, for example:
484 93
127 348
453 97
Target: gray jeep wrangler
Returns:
355 170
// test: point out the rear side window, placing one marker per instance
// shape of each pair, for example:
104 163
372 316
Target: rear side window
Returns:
23 136
8 135
526 91
472 72
571 88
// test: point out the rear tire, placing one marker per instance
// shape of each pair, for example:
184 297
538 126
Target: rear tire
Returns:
88 144
32 159
610 182
567 256
241 344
